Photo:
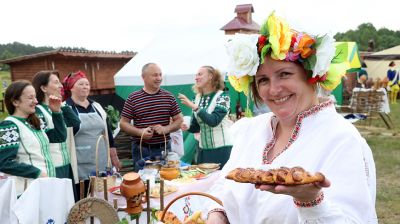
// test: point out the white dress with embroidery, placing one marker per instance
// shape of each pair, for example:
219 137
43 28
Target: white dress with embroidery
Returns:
321 141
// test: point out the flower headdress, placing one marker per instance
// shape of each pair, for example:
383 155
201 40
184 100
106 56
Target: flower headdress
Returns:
316 54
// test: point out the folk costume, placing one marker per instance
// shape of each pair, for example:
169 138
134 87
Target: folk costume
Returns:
60 152
212 121
322 141
25 151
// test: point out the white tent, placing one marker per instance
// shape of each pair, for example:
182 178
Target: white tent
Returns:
378 62
179 56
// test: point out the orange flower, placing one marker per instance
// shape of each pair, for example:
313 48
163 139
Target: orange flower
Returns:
304 46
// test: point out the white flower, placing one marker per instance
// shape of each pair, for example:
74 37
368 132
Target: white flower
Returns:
325 53
243 57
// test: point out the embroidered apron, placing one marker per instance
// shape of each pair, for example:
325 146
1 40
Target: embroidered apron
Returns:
92 126
213 137
33 150
59 151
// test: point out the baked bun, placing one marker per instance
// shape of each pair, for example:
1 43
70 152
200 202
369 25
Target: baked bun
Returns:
281 176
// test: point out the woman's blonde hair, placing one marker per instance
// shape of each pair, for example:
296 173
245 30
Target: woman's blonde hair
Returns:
217 81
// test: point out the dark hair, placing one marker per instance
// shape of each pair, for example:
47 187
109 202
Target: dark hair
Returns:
391 64
42 79
363 65
14 92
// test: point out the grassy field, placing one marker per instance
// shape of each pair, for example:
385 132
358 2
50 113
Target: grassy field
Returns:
5 80
385 145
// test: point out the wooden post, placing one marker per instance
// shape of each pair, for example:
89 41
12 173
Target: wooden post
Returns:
148 199
162 194
92 185
81 189
92 189
116 204
105 188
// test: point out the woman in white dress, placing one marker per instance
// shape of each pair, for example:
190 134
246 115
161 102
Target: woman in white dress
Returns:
303 130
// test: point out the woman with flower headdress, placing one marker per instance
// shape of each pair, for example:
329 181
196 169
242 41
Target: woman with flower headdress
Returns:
210 116
288 71
94 123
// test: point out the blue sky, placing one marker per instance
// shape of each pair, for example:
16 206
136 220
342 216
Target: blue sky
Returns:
130 25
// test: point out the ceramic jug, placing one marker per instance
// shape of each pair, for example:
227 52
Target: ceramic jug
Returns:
133 189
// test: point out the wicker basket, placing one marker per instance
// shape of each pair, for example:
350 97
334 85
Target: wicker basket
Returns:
99 181
187 194
153 165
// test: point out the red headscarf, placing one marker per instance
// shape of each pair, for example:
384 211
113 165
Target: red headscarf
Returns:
69 82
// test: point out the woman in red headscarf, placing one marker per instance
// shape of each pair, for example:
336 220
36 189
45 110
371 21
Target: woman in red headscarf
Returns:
93 124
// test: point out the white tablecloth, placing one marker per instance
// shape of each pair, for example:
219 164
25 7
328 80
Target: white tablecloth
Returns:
183 207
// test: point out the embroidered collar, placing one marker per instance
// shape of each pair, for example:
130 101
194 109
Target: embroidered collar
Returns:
296 130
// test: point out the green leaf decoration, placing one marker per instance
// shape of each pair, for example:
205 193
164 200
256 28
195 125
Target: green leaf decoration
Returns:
341 53
153 214
264 28
123 221
135 216
264 52
309 63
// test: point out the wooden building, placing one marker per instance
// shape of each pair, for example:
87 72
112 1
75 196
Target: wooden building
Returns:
243 22
99 66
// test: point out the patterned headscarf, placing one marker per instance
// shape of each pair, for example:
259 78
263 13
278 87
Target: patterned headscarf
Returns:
69 82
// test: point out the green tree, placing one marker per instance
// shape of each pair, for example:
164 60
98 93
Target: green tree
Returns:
382 38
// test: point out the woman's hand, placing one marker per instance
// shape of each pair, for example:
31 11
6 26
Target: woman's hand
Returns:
114 158
303 193
217 218
55 103
186 101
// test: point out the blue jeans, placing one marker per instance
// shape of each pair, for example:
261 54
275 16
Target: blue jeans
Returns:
149 152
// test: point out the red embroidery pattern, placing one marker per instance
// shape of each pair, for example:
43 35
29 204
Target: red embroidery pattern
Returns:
296 130
309 204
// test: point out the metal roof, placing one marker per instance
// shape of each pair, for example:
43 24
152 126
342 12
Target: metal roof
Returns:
72 53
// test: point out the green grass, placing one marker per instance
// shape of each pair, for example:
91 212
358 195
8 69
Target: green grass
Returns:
6 79
385 145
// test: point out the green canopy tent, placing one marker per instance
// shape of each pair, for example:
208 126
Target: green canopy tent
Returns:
179 57
349 55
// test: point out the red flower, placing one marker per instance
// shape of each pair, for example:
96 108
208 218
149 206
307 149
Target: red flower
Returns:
316 79
261 42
